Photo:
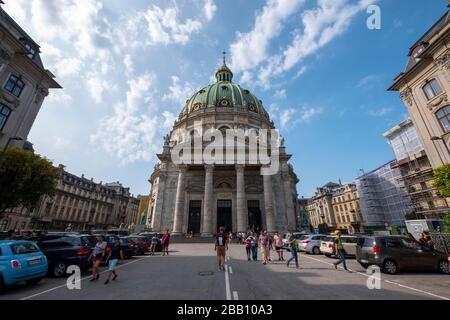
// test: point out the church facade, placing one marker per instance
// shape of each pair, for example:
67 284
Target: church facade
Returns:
201 197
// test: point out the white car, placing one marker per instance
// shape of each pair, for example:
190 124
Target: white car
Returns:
311 243
349 243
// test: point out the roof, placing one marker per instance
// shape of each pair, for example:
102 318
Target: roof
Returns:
398 127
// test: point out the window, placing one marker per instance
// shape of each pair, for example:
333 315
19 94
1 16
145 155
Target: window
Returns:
443 117
31 51
432 89
14 85
4 115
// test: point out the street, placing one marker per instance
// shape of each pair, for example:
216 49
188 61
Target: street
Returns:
190 273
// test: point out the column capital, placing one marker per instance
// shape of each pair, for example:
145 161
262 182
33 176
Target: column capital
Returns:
209 168
240 168
182 168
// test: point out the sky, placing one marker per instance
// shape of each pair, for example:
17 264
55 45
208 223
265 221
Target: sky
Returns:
127 68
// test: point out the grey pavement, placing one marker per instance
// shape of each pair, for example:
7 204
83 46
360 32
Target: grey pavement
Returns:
190 273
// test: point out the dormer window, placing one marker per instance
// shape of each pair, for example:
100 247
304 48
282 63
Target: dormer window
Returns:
31 51
432 89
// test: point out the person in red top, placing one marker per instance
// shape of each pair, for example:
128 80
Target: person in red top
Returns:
221 247
165 242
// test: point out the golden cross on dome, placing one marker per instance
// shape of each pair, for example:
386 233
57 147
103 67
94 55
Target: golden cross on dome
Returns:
224 57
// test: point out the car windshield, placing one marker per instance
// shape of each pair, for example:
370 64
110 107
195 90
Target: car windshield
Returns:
408 243
24 248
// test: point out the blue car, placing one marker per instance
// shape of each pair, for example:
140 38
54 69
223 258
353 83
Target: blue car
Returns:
21 261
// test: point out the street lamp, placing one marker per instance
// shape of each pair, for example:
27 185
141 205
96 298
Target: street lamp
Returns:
443 141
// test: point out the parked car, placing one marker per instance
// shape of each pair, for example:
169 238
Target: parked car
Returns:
310 243
349 242
297 235
65 249
21 261
127 245
149 237
395 253
142 243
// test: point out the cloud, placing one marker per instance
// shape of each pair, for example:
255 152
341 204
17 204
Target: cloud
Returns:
368 81
380 112
179 92
280 94
307 114
320 25
129 133
97 87
209 9
59 97
286 116
129 66
290 117
250 49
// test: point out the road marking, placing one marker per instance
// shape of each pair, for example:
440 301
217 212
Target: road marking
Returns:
387 281
230 270
227 283
235 295
85 278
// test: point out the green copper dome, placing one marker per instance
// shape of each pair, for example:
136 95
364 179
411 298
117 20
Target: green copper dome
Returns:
224 94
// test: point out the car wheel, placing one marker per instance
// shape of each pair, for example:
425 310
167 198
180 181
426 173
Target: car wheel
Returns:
33 281
316 250
390 267
444 267
59 269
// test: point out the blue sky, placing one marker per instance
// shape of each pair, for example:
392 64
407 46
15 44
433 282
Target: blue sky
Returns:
128 66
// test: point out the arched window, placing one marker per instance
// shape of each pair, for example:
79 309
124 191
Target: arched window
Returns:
443 117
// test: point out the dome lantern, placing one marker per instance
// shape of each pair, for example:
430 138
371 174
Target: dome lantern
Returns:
224 73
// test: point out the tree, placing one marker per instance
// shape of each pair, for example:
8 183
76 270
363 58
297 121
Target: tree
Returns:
442 180
447 223
24 179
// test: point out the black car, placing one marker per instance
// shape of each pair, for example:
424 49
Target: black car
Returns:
127 245
142 243
395 253
63 250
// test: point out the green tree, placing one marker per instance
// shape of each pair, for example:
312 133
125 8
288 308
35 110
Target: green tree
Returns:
442 180
24 179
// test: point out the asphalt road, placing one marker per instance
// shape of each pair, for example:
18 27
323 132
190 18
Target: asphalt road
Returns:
190 273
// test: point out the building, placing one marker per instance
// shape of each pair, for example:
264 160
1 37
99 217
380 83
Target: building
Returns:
346 209
235 194
416 171
144 202
383 198
24 83
335 206
79 204
425 87
302 214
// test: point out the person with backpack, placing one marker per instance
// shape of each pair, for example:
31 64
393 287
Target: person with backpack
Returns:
221 247
339 251
97 256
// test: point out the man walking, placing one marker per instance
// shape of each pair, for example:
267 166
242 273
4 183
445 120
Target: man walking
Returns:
339 251
165 242
221 247
264 243
294 254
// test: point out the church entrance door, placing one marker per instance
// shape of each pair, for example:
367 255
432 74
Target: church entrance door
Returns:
195 209
224 215
254 215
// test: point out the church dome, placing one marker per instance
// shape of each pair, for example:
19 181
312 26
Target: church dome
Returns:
223 95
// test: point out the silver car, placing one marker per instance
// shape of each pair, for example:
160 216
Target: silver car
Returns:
311 243
349 243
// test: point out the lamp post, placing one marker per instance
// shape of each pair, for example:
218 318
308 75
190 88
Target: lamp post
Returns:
443 141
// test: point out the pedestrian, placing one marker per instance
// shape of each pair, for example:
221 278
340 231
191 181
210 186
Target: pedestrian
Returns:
153 244
294 254
339 251
248 246
221 247
278 241
264 243
97 256
114 255
165 242
254 244
16 235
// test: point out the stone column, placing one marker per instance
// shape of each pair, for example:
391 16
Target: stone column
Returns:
179 202
290 211
242 214
208 202
268 203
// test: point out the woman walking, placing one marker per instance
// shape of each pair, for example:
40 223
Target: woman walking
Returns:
264 242
254 246
165 242
293 247
278 241
97 256
114 255
248 246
